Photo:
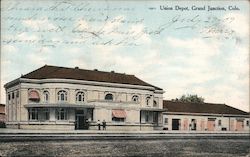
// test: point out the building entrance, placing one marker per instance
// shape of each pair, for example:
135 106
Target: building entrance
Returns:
175 124
81 121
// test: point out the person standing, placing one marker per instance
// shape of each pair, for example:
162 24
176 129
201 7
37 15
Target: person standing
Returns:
99 124
104 124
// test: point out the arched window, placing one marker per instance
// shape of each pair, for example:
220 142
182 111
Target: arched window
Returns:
135 98
147 100
62 95
80 97
109 97
34 96
46 96
155 103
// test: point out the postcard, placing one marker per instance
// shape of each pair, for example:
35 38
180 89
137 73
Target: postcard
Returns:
159 51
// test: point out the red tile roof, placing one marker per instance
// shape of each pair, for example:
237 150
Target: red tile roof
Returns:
209 108
50 72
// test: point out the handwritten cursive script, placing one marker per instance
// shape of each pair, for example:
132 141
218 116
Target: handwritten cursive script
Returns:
78 23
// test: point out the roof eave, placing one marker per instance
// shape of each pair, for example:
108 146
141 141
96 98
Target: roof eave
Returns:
12 83
208 114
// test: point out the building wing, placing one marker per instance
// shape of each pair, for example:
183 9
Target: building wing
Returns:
209 108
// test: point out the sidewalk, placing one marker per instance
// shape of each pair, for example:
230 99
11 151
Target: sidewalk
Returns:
162 132
20 135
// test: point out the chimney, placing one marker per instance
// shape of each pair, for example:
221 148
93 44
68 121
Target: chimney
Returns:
112 71
76 67
95 69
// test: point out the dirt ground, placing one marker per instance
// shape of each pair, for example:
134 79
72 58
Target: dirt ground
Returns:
171 147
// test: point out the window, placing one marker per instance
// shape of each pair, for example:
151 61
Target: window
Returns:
34 96
135 98
9 97
155 117
44 114
115 119
147 116
219 122
13 95
166 121
155 103
147 100
62 95
247 123
80 97
33 115
40 114
109 97
46 96
90 114
193 124
118 115
17 94
61 114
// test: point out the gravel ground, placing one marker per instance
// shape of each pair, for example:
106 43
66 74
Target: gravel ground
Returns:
172 148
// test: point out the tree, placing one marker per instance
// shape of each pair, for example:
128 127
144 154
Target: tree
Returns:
190 98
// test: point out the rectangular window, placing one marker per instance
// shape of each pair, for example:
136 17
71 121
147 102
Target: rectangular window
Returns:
219 122
155 117
33 115
9 96
166 121
146 116
247 123
90 114
43 114
17 94
39 114
61 114
13 95
119 120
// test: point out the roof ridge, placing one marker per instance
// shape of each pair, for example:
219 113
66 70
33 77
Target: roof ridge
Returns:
198 103
51 71
203 107
89 70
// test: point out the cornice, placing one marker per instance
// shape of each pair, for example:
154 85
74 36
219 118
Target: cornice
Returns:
82 82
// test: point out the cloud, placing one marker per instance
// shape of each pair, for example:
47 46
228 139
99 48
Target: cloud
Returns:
25 36
195 46
9 49
208 69
40 56
40 24
239 23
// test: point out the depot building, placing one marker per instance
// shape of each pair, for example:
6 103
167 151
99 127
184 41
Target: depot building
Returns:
54 97
186 116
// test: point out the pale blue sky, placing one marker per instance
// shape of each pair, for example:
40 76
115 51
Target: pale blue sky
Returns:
179 60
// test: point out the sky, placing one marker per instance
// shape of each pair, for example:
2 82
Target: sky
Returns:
169 44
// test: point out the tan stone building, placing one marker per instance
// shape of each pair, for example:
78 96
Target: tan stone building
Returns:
203 117
71 98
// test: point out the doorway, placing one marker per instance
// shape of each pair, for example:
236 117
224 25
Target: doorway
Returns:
175 124
211 124
80 120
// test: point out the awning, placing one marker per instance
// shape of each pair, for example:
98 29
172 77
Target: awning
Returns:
119 113
33 95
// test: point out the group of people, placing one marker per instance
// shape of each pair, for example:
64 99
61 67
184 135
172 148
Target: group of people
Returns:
103 125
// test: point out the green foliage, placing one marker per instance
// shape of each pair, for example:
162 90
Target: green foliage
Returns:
190 98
